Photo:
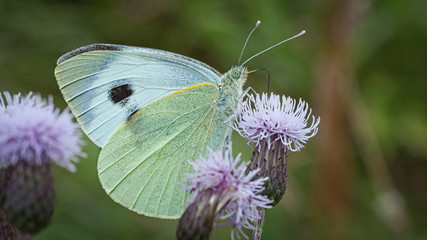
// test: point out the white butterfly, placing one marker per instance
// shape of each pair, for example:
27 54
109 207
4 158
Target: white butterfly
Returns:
151 111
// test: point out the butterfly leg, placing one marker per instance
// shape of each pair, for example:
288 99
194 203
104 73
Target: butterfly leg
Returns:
227 143
239 102
246 93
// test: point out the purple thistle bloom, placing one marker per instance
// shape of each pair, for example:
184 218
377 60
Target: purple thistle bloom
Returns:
33 134
273 120
221 190
34 131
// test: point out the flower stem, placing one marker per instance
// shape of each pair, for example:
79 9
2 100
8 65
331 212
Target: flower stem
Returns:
256 234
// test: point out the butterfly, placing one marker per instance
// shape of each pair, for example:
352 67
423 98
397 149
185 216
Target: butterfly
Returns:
151 112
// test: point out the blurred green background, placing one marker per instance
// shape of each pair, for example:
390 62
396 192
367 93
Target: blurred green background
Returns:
362 66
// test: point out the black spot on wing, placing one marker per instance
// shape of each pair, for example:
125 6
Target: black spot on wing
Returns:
120 94
132 112
89 48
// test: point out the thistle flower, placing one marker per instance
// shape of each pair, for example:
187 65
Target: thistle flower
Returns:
220 190
274 127
33 133
273 120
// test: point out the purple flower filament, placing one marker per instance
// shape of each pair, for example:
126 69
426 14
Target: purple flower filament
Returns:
34 131
268 118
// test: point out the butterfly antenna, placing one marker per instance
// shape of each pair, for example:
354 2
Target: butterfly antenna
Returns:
275 45
247 39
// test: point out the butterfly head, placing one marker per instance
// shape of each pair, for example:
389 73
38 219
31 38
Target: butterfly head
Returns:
236 77
235 73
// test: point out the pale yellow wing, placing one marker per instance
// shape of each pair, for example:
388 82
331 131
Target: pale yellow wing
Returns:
148 155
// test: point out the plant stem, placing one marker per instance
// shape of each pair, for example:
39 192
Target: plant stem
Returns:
256 234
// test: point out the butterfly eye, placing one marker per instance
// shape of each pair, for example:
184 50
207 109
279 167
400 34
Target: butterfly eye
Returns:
235 74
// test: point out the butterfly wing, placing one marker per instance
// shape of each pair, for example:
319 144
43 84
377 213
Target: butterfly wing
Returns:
148 155
104 84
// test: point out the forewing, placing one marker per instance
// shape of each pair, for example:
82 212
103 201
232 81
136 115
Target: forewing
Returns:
149 154
105 84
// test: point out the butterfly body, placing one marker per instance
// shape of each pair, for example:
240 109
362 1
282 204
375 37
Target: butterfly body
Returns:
231 86
152 112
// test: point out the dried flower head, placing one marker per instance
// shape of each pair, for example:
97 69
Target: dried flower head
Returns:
220 190
34 131
268 118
